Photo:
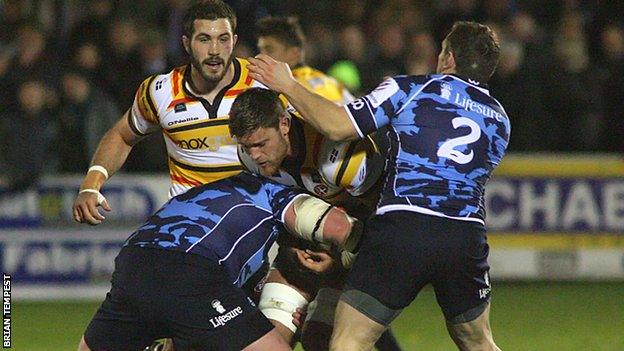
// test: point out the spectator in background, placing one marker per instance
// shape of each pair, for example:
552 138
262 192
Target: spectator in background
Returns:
26 134
94 27
30 59
573 101
173 28
88 59
153 53
86 114
611 79
123 73
123 61
389 58
421 53
12 14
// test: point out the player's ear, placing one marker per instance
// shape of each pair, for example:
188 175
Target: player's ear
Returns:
234 39
284 124
186 42
450 61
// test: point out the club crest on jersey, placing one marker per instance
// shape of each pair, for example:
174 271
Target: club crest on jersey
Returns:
181 107
216 304
445 91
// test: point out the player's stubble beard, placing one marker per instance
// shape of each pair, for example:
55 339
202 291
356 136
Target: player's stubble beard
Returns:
211 79
275 163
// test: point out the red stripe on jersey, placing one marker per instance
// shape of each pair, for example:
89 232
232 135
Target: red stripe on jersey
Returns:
183 180
234 92
248 80
177 101
176 78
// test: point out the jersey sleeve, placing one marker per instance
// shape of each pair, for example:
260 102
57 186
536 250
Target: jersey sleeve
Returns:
280 198
376 109
143 116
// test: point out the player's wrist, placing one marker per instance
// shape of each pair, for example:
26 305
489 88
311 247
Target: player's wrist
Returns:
95 178
100 169
100 197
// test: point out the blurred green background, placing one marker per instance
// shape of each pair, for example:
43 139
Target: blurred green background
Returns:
525 316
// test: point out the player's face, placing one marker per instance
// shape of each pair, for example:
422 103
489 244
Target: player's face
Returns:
211 48
267 147
274 48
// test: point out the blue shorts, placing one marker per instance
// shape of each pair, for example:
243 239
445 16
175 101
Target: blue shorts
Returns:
403 251
168 294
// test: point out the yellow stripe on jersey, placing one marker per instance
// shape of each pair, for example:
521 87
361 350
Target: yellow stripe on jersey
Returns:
193 175
210 134
146 104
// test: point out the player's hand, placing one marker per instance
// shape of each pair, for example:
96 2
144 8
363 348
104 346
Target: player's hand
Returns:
299 317
316 261
274 74
85 209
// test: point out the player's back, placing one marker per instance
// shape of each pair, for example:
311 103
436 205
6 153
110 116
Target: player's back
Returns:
447 135
232 221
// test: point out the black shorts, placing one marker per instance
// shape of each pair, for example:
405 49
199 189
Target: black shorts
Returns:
168 294
403 251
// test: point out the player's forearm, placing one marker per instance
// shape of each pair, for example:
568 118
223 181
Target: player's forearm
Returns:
324 115
111 154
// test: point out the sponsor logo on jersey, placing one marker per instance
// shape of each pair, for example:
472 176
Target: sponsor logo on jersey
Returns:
383 92
226 317
471 105
178 121
212 143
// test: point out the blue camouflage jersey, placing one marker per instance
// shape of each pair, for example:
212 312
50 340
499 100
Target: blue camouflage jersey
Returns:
233 221
446 137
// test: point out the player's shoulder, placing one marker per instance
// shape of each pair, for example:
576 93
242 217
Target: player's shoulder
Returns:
321 83
244 80
163 87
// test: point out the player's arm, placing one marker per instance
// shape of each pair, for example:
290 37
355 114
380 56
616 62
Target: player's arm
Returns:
110 155
315 220
324 115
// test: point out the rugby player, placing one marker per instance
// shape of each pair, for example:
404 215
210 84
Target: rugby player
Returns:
283 39
272 143
189 105
179 274
447 136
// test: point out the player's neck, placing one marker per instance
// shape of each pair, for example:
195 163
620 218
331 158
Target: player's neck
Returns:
209 89
292 147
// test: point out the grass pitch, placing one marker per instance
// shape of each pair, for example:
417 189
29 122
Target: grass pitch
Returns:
525 316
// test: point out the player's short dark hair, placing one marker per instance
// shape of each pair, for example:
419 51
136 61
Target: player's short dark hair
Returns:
285 29
255 108
475 49
210 10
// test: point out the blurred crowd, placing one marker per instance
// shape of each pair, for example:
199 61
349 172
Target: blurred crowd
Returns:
68 69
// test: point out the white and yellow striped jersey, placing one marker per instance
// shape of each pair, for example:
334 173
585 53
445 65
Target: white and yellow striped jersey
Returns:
196 132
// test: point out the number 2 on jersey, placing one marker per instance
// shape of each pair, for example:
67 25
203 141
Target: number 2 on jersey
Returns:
447 149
